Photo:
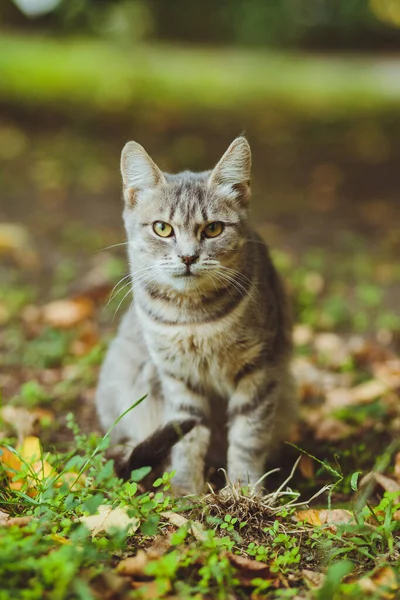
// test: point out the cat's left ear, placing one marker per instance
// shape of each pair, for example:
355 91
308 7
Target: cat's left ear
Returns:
234 169
139 172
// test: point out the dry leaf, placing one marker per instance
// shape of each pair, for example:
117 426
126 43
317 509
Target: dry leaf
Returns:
7 521
133 566
23 421
151 590
64 314
306 466
336 516
397 466
108 518
332 430
11 462
368 391
75 481
332 348
314 579
160 546
388 484
195 528
302 335
382 579
16 242
248 569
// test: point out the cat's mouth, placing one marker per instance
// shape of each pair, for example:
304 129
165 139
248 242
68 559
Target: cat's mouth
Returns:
187 273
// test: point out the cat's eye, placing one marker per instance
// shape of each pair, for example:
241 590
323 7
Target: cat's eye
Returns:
214 229
163 229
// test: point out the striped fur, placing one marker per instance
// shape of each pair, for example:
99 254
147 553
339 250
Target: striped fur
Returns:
218 339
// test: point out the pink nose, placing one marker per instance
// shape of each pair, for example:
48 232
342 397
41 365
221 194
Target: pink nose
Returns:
189 260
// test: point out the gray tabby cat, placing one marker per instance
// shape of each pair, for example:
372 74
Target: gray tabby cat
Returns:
208 332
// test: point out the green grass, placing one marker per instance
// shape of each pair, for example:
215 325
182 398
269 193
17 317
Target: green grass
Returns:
89 74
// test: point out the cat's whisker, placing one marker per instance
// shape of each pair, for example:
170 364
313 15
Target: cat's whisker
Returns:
236 284
115 245
120 304
112 295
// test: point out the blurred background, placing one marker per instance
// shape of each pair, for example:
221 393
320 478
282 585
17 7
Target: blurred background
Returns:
314 84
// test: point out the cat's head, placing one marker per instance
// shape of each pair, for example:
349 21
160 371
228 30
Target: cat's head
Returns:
186 230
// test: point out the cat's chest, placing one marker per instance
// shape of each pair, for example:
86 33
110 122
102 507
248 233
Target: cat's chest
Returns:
201 354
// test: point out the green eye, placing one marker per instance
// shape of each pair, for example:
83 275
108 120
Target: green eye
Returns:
163 229
214 229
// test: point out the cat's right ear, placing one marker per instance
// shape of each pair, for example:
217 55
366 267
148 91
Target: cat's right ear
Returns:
139 172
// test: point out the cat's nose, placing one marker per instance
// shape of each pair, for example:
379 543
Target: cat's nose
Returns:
189 260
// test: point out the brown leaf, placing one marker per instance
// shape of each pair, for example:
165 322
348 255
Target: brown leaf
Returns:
302 335
64 314
332 430
161 544
378 479
332 348
336 516
397 466
306 466
248 569
368 391
87 340
195 528
23 421
7 521
134 566
16 242
314 579
153 590
382 579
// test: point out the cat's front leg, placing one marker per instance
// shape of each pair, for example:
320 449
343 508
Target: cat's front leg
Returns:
188 455
251 429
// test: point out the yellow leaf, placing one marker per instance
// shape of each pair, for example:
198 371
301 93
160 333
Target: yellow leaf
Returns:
108 518
31 449
12 464
42 469
74 480
308 516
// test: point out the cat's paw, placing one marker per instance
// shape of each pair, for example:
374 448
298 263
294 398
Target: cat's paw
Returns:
183 487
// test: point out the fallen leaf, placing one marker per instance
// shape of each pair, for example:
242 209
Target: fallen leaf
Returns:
133 566
64 314
108 518
7 521
383 580
44 415
75 481
16 242
87 340
153 590
195 528
306 466
332 430
332 348
23 421
335 516
159 547
368 391
248 569
30 449
397 466
11 462
302 335
378 479
314 579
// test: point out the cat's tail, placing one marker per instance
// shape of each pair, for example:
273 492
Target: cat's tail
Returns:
154 449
